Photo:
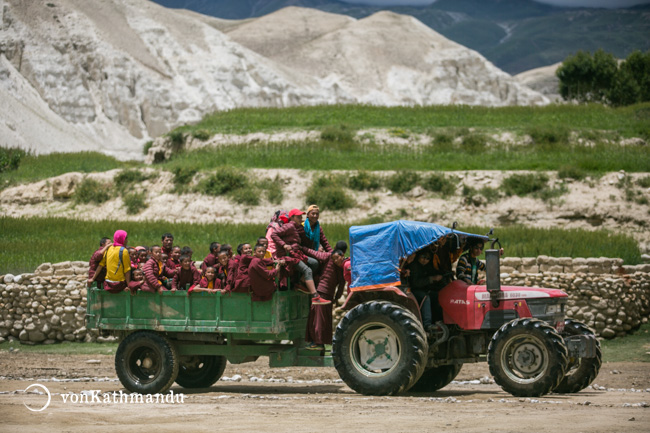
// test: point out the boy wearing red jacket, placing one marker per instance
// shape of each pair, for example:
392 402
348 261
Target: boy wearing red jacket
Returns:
262 280
186 276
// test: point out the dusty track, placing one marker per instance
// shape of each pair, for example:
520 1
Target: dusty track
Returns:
310 399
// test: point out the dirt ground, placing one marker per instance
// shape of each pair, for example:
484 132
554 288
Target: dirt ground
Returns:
252 397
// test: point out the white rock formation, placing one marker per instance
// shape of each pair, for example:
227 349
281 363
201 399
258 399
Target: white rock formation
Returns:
542 80
109 75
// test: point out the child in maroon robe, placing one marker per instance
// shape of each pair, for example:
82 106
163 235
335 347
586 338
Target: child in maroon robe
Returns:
330 287
186 276
262 280
173 261
137 280
155 272
211 258
209 283
104 243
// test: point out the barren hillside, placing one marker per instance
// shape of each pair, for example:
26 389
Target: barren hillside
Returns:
110 75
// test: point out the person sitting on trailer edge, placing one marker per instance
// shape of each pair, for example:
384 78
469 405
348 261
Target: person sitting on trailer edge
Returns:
208 282
262 280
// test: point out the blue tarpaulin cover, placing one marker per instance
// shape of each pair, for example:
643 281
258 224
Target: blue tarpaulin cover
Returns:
376 249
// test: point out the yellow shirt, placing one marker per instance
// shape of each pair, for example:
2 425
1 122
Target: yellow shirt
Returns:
111 260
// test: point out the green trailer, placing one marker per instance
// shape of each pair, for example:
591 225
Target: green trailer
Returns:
187 339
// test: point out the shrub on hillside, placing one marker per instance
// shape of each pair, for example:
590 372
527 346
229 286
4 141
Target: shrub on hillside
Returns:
403 181
524 184
548 135
134 202
329 193
474 143
364 181
91 191
183 178
571 172
10 158
338 134
438 182
248 195
146 147
223 181
129 177
201 134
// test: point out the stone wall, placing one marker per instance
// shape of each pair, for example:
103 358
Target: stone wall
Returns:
50 304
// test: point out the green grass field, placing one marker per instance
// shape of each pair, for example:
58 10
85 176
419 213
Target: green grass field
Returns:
627 121
25 243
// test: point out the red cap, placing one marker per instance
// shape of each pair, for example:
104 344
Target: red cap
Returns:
295 212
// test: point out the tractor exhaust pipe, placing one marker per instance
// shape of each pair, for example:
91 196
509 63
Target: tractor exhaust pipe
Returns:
493 272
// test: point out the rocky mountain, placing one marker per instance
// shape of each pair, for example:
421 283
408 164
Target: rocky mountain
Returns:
110 75
515 35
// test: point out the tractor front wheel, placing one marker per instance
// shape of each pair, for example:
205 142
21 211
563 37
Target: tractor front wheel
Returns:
527 357
582 371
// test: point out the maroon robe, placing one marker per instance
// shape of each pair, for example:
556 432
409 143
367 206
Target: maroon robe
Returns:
93 264
183 277
262 280
330 287
242 283
209 261
153 273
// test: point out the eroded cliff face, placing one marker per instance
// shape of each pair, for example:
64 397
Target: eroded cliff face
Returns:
79 75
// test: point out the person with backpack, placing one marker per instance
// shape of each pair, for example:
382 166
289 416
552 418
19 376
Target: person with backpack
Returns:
117 263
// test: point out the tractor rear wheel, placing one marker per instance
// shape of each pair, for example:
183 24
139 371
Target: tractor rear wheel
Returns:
379 348
527 357
582 371
146 362
200 371
436 378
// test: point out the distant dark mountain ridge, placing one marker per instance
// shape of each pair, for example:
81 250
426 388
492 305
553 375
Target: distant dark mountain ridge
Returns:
515 35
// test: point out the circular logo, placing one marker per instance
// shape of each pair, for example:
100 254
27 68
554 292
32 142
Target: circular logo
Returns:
45 390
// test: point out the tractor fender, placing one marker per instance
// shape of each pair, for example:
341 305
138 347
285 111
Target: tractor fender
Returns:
390 294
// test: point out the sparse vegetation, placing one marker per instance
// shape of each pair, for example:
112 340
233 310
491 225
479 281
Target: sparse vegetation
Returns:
474 143
571 172
549 137
643 182
146 147
183 177
134 202
342 133
440 183
364 181
223 181
177 139
10 158
329 193
91 191
524 184
129 177
403 181
201 134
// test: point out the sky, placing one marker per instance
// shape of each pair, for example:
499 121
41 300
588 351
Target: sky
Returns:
581 3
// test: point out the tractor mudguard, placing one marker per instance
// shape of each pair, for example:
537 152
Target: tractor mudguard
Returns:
391 294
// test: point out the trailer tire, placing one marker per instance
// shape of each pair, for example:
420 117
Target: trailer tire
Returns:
200 371
527 357
146 362
436 378
581 371
379 348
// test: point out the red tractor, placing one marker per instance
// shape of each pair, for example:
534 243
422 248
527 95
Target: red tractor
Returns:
381 348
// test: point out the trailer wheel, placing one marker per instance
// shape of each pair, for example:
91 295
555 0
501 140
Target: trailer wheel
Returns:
527 357
146 362
582 371
436 378
379 348
200 371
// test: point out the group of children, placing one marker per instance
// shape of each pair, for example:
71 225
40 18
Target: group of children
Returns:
293 255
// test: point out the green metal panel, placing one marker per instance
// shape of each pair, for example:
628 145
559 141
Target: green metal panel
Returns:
284 317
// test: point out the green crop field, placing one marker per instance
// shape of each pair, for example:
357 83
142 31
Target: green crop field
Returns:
25 243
